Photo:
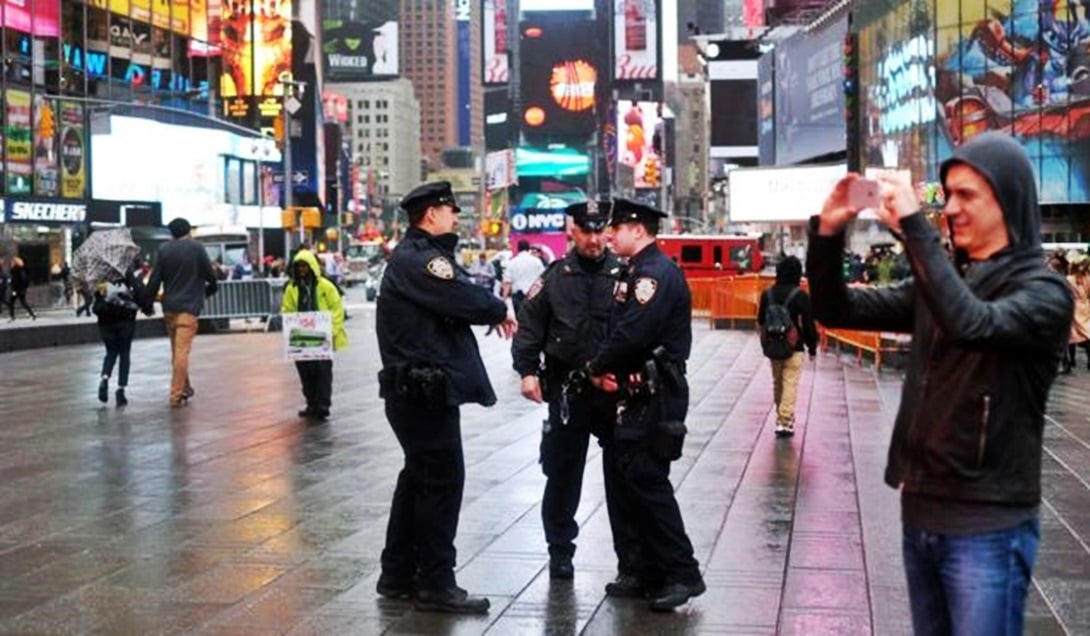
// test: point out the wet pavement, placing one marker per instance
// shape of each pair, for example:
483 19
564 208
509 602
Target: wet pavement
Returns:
232 516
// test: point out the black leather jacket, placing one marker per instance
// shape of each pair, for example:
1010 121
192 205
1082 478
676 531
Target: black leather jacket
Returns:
984 354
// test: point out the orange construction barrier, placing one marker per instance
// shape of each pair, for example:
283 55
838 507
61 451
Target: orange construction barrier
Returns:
701 290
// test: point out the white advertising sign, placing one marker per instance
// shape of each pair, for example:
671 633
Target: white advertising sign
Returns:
308 335
496 70
780 194
635 37
500 169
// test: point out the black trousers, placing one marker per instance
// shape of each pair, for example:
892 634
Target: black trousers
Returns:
19 295
563 456
427 498
118 340
658 549
316 376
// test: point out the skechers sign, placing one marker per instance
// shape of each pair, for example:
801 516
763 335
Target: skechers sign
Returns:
44 212
528 221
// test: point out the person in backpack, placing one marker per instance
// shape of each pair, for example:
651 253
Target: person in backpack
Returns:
116 303
787 329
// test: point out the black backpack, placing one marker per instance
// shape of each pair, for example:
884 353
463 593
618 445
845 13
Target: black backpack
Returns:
779 333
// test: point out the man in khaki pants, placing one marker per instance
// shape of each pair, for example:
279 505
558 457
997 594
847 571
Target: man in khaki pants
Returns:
186 275
787 364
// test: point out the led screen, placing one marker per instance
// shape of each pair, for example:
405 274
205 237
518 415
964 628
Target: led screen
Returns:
531 162
559 77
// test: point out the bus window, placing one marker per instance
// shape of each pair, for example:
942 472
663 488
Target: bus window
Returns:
692 254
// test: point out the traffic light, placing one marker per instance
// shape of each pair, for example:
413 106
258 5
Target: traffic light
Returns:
651 171
278 127
492 228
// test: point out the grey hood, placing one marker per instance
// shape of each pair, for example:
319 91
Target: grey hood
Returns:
1003 162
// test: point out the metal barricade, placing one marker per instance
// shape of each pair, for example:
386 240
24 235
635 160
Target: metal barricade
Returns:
243 299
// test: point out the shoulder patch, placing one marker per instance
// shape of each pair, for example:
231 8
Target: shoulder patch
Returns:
645 289
441 267
536 288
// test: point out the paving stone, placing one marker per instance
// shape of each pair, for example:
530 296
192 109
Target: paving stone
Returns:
232 516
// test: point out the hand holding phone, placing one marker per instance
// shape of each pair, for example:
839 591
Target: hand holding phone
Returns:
863 194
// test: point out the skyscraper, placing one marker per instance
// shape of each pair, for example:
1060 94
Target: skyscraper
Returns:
440 53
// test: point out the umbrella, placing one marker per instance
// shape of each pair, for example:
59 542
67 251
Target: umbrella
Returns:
105 255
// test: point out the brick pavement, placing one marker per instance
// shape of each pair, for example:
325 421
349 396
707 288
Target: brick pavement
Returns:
232 517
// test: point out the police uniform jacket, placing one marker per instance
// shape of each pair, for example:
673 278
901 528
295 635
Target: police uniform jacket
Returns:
426 305
653 307
565 315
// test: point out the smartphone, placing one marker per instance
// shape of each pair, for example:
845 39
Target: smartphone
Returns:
863 194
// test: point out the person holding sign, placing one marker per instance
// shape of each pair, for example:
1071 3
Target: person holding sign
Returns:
309 291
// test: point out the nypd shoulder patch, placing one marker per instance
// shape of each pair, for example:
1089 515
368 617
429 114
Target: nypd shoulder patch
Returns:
645 289
440 267
536 288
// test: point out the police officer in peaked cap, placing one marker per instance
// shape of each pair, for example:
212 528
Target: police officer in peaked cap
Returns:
430 366
643 361
563 320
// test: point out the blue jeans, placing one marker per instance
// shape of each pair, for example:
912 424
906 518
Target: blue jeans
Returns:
970 584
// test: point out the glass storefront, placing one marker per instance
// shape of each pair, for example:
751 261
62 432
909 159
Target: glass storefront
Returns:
936 73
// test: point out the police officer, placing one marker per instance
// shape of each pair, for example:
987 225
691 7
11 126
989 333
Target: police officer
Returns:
644 359
431 365
565 316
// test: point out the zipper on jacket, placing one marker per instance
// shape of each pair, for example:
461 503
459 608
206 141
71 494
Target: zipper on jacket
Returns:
983 437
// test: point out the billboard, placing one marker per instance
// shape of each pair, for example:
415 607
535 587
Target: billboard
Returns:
179 16
635 40
73 150
360 51
256 41
637 125
559 77
766 110
780 194
497 124
810 94
734 114
463 14
43 21
46 165
563 162
496 69
18 146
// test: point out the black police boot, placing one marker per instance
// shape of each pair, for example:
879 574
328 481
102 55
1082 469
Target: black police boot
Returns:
395 590
675 595
452 600
104 390
627 586
561 568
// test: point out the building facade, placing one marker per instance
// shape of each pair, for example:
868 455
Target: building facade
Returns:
384 129
440 46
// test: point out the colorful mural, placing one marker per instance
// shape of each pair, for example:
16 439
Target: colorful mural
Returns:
1021 67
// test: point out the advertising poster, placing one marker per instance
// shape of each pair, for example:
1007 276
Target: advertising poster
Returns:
635 40
176 15
72 144
496 69
809 94
359 51
766 111
46 172
636 125
256 42
1023 74
308 335
46 16
18 147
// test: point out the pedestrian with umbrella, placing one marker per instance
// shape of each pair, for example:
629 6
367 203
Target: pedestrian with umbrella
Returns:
106 262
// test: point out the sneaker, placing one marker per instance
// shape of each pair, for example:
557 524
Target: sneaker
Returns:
104 390
784 431
394 590
120 396
627 586
188 392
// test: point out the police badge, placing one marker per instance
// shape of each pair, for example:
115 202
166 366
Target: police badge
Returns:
645 289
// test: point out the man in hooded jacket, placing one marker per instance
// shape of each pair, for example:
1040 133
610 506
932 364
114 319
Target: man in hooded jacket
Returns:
966 446
308 290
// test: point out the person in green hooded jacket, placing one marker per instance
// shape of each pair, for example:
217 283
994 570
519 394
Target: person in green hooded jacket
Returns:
308 290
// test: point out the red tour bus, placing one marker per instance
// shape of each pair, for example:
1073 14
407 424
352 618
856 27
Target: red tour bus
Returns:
710 255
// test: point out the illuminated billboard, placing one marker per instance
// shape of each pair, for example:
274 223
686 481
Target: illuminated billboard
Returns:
637 125
635 40
256 40
177 15
563 162
496 69
359 51
44 22
559 78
